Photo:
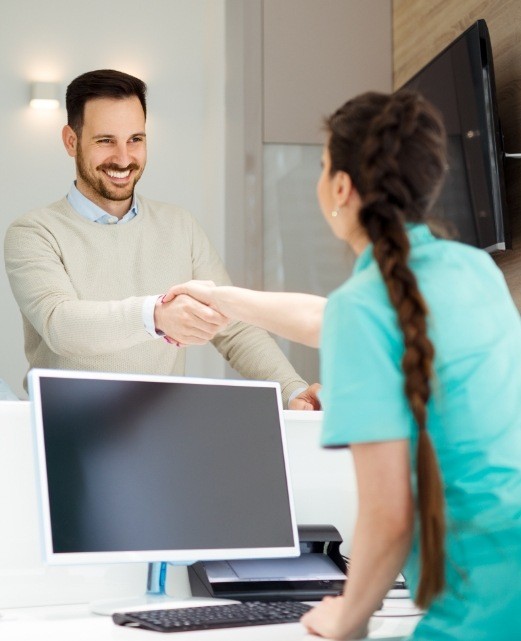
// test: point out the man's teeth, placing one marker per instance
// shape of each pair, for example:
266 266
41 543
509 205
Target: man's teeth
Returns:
118 174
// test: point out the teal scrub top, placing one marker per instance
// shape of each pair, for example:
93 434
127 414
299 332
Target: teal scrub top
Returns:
474 415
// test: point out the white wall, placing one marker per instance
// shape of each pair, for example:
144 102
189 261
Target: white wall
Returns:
177 47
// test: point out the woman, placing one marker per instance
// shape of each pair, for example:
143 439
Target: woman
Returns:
420 365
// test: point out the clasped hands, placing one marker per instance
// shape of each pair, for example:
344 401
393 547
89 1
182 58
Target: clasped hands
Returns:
186 317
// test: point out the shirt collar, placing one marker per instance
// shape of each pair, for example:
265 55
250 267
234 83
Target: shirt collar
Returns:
89 210
418 234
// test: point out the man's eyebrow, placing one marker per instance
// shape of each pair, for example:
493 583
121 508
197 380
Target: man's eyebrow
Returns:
138 133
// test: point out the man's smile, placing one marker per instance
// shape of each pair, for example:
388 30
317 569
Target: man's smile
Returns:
117 174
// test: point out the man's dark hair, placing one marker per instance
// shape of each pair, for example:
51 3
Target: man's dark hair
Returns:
103 83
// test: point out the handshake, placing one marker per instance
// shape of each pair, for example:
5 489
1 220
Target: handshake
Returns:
193 313
187 314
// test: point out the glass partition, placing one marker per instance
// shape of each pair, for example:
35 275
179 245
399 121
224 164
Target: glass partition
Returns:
300 251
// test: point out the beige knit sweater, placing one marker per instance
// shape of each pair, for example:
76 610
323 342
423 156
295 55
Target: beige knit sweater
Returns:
80 287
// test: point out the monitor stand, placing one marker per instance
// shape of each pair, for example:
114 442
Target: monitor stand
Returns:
154 598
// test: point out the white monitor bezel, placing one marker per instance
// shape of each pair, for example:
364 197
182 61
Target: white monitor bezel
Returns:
174 556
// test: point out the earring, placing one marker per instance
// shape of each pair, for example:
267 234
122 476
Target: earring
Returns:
334 213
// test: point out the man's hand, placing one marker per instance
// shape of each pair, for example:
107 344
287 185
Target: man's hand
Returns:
186 321
306 400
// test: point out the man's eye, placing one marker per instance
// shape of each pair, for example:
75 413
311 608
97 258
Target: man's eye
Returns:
104 141
137 139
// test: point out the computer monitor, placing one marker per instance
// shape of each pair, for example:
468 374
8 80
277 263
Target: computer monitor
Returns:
154 469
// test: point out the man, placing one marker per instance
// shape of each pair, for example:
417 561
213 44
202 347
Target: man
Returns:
88 270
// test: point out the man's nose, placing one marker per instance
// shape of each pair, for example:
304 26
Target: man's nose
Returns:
121 156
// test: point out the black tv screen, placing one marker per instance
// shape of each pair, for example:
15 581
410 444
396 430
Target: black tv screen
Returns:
460 82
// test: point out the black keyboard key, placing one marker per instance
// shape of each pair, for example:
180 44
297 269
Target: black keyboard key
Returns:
214 616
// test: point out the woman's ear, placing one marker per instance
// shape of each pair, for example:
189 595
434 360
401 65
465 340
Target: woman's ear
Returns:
342 188
70 140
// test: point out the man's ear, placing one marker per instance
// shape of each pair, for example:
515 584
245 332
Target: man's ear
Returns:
70 140
343 187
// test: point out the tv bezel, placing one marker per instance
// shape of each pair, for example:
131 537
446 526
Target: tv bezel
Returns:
184 556
492 150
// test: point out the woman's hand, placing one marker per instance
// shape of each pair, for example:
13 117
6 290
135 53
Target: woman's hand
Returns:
200 290
329 620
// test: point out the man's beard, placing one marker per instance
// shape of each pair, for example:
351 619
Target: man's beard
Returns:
97 184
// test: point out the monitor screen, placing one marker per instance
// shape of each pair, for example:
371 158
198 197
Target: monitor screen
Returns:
460 82
145 468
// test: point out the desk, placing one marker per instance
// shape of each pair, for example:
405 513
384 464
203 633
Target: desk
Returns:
39 602
76 623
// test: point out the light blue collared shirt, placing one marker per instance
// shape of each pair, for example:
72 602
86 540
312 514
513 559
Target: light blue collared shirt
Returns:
89 210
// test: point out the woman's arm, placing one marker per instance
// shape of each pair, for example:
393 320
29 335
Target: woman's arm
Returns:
381 542
297 317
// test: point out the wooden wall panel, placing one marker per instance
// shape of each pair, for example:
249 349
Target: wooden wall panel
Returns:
421 29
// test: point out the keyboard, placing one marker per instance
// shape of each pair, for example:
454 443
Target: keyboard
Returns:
230 615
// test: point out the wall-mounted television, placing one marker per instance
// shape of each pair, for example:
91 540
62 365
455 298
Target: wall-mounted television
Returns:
460 82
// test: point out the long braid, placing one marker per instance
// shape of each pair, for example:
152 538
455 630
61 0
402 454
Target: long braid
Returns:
394 190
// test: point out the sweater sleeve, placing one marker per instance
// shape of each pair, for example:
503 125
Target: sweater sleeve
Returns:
47 298
249 350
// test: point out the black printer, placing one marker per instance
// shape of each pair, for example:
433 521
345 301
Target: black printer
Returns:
320 570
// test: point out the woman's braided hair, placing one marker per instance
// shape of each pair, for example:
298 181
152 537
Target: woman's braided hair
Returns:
394 149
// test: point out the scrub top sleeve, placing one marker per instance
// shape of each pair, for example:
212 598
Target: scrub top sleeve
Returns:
362 395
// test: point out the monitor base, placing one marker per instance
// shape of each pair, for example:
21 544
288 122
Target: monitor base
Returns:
155 598
148 602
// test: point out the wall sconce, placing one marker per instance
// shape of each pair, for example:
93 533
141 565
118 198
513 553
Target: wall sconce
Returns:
45 95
